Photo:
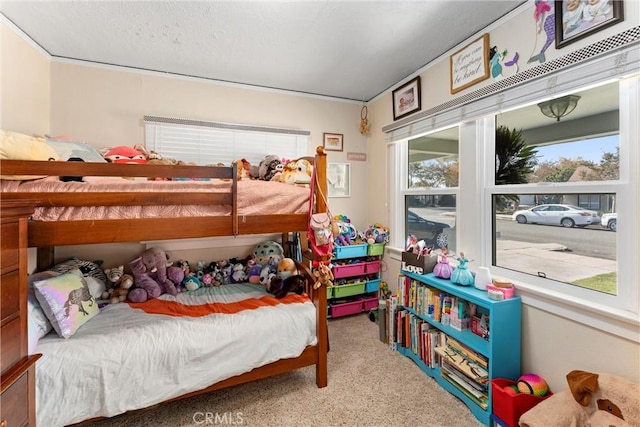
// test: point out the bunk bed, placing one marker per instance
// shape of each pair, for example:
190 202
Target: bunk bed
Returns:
220 212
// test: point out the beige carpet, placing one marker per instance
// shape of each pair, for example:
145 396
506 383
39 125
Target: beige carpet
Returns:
369 385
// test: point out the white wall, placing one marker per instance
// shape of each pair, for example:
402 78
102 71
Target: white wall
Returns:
24 84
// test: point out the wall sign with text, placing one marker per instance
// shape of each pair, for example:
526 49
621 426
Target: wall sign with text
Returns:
470 64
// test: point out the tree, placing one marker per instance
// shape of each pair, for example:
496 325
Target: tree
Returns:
515 160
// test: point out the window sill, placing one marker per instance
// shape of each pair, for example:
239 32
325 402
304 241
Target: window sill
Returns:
617 322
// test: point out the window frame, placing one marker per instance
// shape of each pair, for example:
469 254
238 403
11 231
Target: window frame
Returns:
617 314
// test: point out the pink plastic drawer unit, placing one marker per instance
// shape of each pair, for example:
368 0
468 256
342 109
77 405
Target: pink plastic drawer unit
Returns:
369 303
339 310
371 267
348 270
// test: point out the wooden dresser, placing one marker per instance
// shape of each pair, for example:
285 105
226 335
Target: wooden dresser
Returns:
17 384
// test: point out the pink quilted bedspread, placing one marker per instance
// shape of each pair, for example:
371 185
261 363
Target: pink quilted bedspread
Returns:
254 198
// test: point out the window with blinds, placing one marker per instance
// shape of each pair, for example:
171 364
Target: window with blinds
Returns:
207 143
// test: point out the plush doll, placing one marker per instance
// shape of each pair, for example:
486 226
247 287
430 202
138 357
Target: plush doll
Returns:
281 287
266 274
265 251
254 274
191 282
238 274
124 154
590 400
176 275
244 168
118 285
323 275
297 172
286 267
269 167
155 260
145 287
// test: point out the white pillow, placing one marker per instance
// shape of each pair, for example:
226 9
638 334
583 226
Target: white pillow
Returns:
66 301
67 149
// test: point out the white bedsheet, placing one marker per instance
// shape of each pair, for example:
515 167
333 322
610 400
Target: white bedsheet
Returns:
125 358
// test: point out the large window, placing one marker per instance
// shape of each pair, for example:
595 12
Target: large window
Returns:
535 198
558 235
430 194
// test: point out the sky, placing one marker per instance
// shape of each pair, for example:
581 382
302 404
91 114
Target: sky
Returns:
589 149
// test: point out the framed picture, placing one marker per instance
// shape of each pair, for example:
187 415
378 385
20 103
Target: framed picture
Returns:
576 19
470 64
339 179
406 99
333 141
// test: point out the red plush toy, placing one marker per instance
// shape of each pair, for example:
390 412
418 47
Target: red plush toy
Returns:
124 154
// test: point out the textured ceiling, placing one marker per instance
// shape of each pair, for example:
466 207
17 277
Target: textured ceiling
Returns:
345 49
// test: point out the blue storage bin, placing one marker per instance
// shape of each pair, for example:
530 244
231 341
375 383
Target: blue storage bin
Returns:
372 285
351 251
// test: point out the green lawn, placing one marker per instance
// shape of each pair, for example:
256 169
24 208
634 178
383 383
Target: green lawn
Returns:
606 283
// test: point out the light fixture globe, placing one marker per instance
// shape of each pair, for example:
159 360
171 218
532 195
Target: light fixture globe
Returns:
559 107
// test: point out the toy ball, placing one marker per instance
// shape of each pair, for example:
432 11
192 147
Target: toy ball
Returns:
532 384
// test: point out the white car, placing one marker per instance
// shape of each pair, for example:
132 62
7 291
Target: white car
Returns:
557 214
610 221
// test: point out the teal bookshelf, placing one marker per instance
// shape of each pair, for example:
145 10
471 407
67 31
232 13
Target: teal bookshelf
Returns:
501 348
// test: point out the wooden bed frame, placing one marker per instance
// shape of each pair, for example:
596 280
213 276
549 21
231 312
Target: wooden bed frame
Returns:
46 235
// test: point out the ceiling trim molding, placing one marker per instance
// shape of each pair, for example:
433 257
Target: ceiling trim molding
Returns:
24 36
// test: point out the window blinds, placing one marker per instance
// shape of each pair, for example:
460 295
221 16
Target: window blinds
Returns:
206 143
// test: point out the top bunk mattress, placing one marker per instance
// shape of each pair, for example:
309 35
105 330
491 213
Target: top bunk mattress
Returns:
255 197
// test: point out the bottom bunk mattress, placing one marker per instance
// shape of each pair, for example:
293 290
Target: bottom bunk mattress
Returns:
132 356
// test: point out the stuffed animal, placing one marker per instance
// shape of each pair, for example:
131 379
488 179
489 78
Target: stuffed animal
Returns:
267 273
281 287
286 267
377 233
269 167
191 282
244 168
176 275
118 285
591 400
238 274
145 287
297 172
323 275
254 274
265 251
155 260
124 154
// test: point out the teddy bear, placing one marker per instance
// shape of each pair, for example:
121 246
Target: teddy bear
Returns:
118 285
591 400
323 275
266 251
